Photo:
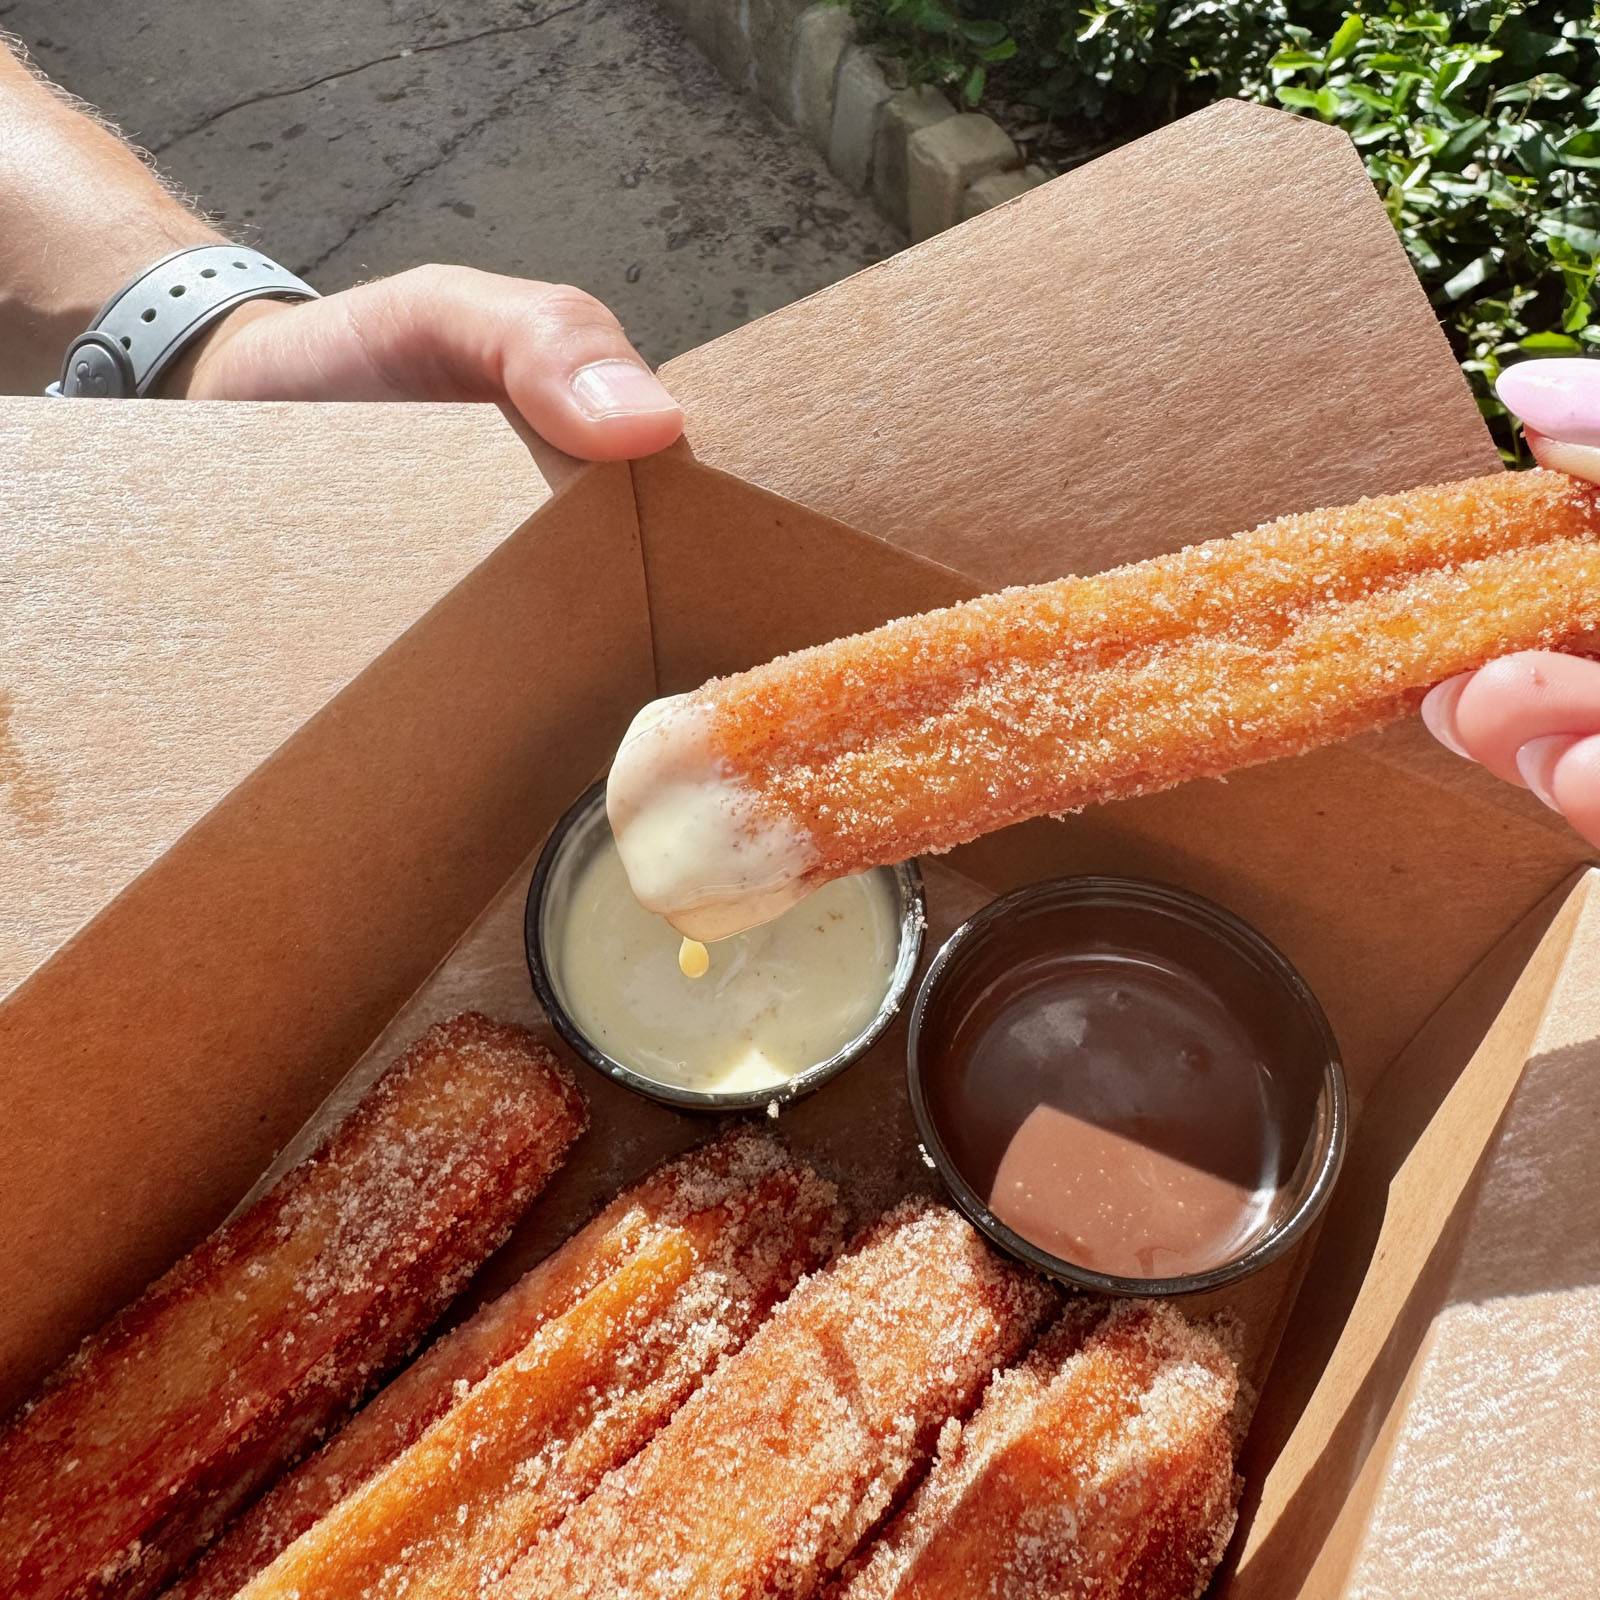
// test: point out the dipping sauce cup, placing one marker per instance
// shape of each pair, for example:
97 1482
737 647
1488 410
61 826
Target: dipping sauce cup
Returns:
1126 1087
817 993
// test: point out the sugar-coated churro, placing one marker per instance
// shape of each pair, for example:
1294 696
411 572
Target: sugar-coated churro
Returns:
1101 1467
228 1367
781 1462
396 1416
690 1262
734 801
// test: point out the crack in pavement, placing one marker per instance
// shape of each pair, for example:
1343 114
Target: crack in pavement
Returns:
442 155
350 72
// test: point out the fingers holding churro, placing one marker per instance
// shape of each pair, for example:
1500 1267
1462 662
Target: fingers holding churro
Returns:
1532 718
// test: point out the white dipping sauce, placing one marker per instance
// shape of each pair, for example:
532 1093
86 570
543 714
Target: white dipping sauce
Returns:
777 1000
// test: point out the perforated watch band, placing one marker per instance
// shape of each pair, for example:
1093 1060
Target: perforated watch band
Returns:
147 324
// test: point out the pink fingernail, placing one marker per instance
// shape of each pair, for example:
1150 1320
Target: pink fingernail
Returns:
619 389
1439 713
1559 397
1536 761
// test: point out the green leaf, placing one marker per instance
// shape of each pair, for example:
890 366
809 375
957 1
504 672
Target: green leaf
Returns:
1366 96
1003 51
1323 101
1293 61
933 17
1535 154
1580 149
1558 343
1468 278
1579 226
1344 40
1460 145
1452 76
1377 133
972 89
983 34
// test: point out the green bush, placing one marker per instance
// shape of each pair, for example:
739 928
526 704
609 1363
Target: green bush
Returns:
1479 124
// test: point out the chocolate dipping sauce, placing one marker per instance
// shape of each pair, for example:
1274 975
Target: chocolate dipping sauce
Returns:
1123 1080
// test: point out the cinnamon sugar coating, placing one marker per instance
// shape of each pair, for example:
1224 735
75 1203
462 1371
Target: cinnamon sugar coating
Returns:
1100 1467
713 1241
771 1474
1037 701
228 1367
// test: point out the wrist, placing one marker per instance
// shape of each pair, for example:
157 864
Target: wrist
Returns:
200 373
80 214
143 334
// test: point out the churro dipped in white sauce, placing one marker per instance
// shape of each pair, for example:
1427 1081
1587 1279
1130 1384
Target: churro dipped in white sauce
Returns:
732 802
695 849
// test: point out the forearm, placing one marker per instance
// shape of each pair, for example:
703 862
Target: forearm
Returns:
79 214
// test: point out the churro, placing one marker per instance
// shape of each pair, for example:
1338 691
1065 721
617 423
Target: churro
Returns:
688 1265
1100 1467
732 802
776 1468
229 1366
397 1416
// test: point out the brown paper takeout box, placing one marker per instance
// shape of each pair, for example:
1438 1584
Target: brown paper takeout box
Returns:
289 695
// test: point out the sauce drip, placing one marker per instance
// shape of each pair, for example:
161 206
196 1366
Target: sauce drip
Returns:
694 960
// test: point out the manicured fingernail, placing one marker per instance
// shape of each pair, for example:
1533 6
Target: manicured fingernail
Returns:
1576 460
1439 713
619 389
1536 761
1559 397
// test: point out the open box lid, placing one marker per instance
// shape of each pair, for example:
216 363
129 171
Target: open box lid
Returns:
286 705
1208 328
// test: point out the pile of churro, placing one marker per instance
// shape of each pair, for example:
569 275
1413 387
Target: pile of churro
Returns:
734 801
711 1389
718 1387
146 1443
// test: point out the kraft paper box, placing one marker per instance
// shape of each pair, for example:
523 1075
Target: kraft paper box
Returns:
289 696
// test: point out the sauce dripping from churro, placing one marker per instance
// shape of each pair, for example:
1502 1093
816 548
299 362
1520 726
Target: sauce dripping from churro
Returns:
766 1006
1124 1097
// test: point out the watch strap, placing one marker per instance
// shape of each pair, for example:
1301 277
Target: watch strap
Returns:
144 328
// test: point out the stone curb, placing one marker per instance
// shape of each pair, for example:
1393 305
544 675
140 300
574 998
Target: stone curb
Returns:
925 164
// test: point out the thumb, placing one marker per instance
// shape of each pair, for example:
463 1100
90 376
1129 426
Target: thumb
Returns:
554 353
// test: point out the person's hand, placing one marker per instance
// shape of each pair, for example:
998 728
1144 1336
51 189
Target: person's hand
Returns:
553 354
1534 718
80 213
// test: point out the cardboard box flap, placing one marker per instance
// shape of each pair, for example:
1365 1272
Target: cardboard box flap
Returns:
315 741
1210 327
1397 1253
1513 1352
184 586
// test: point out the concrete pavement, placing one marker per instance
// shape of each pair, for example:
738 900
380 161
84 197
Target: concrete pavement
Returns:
584 141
